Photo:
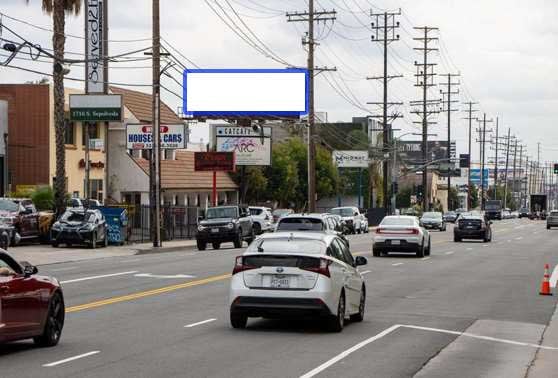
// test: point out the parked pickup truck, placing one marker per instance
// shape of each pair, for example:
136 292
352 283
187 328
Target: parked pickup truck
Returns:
21 215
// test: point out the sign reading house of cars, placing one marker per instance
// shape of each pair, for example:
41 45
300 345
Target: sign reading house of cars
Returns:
214 161
139 137
250 147
350 159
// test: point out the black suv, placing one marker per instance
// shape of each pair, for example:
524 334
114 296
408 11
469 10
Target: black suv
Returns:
472 226
223 224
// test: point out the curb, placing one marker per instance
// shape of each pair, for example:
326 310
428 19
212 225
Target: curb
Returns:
154 250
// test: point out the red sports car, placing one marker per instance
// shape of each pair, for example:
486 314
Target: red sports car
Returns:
31 306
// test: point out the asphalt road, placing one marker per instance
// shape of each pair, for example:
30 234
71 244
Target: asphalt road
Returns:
471 309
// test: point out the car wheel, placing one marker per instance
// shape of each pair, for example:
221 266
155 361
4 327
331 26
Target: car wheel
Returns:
427 251
201 245
486 238
456 238
238 241
375 252
359 231
105 244
93 240
15 238
257 229
251 238
54 244
337 322
420 250
4 241
360 316
366 230
238 320
548 227
54 322
216 245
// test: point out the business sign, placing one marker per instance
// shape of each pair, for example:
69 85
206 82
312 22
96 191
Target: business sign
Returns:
245 92
95 108
437 150
251 147
476 176
95 46
140 137
214 161
96 144
350 159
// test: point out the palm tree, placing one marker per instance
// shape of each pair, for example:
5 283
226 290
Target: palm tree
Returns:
58 10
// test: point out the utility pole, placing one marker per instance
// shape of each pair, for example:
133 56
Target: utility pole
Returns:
425 79
496 162
470 119
537 169
311 16
448 109
482 141
155 164
506 172
514 184
385 27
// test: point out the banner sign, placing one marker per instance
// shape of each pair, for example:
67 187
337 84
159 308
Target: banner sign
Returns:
139 136
350 159
245 92
476 176
411 152
95 43
95 108
214 161
251 147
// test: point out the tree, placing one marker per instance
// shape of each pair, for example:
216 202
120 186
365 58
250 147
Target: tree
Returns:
58 9
283 176
453 198
254 184
43 198
474 196
403 198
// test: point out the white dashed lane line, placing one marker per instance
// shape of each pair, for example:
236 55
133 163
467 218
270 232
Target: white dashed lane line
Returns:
96 277
70 359
450 252
200 323
396 264
365 272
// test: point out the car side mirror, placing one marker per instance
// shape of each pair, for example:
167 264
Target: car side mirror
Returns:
29 270
360 260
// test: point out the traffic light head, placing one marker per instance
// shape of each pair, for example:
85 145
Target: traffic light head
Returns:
556 169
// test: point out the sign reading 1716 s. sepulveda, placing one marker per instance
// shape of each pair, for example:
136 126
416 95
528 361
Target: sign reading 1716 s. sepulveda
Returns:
96 108
140 137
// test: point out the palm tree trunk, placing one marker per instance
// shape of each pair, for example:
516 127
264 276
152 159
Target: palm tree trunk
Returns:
58 40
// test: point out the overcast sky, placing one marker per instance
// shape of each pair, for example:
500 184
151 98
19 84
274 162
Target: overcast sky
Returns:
505 51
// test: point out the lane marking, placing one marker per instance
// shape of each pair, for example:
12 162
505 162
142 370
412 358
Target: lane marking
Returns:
365 272
485 245
397 264
347 352
509 241
393 328
148 293
72 358
469 249
96 277
149 275
519 238
425 258
200 323
450 252
554 277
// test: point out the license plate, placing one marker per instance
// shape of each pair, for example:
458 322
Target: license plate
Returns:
395 242
280 282
215 230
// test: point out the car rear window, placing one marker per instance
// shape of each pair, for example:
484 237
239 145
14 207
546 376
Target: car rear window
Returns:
256 211
300 224
554 213
287 246
397 222
303 262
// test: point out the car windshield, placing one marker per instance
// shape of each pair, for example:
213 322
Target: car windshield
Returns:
343 211
450 213
291 245
254 211
432 215
300 224
221 212
74 216
394 221
281 212
7 205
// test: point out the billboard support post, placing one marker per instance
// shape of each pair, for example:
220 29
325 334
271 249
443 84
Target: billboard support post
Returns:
214 194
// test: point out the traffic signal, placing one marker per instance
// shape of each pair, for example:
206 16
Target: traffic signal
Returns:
464 161
555 169
395 187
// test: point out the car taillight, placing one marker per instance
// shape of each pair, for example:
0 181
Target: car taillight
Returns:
322 268
413 231
380 230
239 265
410 231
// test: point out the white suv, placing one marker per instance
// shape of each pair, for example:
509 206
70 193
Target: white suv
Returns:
262 218
354 219
300 273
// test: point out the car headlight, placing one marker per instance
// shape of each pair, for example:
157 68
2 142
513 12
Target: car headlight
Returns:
230 226
201 227
7 220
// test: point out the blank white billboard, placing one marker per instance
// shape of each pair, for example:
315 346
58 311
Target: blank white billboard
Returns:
239 92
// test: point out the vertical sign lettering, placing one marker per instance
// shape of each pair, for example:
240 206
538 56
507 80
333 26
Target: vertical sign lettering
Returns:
94 72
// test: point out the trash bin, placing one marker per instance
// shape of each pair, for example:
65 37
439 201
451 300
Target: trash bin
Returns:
117 221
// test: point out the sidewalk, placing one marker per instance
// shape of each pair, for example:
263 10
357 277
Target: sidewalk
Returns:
45 254
545 363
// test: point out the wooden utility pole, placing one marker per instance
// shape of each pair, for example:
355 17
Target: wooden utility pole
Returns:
425 79
311 17
155 163
448 101
470 119
506 172
482 141
496 162
385 27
